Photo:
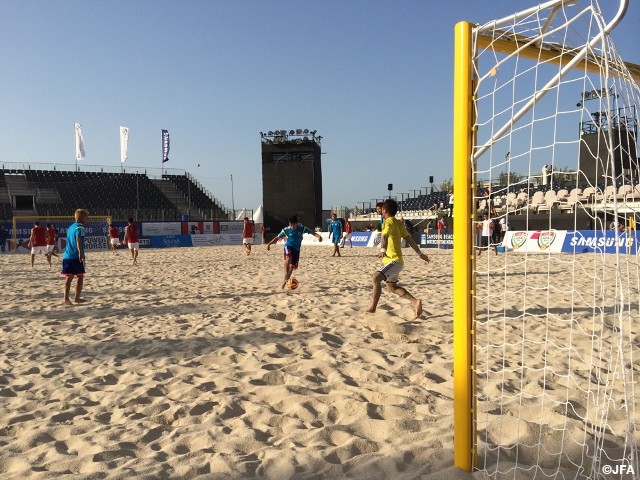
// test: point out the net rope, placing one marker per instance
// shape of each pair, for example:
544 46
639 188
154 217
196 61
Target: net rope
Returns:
557 334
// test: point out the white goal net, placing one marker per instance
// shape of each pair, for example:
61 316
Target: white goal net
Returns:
555 298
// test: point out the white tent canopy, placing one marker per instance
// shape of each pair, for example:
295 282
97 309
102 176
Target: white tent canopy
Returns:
243 213
258 215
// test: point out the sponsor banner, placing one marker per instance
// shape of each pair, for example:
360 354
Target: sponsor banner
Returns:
206 227
309 239
23 230
195 228
360 239
208 240
588 241
143 242
95 243
231 227
436 239
153 229
171 241
374 239
540 241
90 243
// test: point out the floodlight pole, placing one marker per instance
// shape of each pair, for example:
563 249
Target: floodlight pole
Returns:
186 174
233 207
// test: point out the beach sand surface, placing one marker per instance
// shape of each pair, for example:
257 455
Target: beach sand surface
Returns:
196 364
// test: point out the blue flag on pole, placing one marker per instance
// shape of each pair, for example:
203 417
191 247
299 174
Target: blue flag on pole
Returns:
165 146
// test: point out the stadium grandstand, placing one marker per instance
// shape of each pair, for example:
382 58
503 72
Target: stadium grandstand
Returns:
530 203
144 194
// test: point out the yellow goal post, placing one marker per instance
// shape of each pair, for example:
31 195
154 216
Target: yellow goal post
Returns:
513 111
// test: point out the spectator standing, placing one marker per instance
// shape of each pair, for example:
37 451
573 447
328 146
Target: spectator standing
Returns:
379 212
504 227
486 226
495 232
490 204
4 234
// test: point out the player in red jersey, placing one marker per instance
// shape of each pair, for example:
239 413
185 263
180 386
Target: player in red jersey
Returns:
51 238
132 240
248 234
114 237
38 241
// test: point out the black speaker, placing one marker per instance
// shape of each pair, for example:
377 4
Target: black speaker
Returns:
291 184
595 163
430 178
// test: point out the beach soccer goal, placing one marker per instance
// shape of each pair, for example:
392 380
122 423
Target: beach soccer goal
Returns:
97 229
547 315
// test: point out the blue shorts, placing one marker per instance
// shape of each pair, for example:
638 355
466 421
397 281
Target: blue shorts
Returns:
72 266
293 254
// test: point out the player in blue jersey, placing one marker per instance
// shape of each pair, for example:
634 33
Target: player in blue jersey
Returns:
335 234
293 235
73 257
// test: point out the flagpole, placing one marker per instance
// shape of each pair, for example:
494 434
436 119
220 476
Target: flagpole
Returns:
233 207
75 145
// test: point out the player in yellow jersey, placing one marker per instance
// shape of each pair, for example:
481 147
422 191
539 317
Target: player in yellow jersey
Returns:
393 231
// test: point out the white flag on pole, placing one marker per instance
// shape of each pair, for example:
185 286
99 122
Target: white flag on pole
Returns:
79 142
124 141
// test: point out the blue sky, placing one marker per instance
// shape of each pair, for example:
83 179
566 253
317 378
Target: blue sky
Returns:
372 77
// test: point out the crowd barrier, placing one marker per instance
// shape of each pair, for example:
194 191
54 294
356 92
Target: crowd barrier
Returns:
178 234
551 241
200 234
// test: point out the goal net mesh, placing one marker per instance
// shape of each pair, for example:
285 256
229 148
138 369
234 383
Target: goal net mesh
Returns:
557 308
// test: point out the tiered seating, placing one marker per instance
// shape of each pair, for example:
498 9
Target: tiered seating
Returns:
117 194
199 199
433 201
6 211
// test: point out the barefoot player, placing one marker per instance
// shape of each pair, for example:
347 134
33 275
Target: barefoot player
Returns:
293 233
73 257
393 231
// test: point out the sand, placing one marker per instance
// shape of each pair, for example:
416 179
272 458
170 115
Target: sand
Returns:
196 364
